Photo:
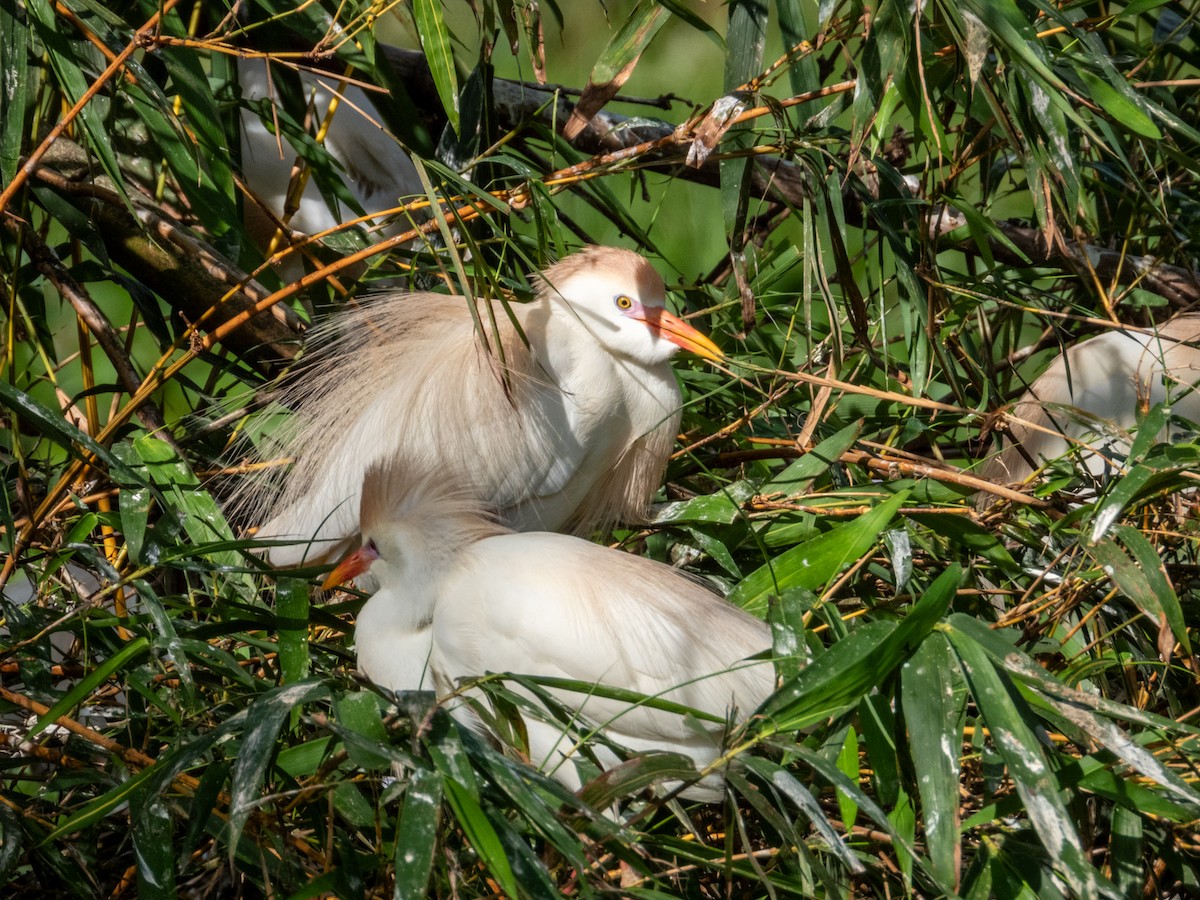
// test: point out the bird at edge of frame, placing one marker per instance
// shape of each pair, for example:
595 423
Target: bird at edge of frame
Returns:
377 170
1089 398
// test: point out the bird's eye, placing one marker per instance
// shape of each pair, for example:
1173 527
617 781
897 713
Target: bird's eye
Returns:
371 546
624 302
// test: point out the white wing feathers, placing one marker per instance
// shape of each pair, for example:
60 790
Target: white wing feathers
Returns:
637 625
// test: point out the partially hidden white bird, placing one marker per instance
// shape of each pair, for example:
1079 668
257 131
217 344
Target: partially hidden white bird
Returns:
461 596
378 172
567 433
1091 395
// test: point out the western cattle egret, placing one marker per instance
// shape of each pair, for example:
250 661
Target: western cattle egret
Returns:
461 596
1091 396
567 433
378 171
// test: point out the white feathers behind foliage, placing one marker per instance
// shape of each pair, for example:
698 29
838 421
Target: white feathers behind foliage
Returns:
1093 394
378 171
459 594
568 433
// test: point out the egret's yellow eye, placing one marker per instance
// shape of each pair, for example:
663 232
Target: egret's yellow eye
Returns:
624 302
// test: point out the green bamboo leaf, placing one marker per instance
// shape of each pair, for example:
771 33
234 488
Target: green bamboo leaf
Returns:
841 676
713 508
786 618
1134 581
616 63
539 798
1125 851
1096 775
360 712
83 688
74 69
101 807
264 718
814 563
436 42
798 22
201 515
1121 109
353 808
291 614
481 834
180 149
153 847
877 718
882 57
796 477
12 841
745 41
417 833
304 759
203 117
903 818
635 775
16 89
1012 30
831 775
801 795
444 743
1011 722
847 762
166 637
626 46
933 697
1137 7
54 426
1155 577
201 809
134 502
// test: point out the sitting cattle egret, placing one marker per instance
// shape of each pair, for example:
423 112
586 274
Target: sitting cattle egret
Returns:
378 171
461 596
567 433
1092 394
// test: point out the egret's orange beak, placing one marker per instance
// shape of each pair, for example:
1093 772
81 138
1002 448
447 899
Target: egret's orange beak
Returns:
669 326
352 566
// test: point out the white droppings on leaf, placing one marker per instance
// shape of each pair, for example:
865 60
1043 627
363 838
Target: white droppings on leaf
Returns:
947 749
1009 742
1048 822
1104 520
786 643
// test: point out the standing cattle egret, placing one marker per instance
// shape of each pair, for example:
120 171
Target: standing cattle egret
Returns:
1092 394
567 433
461 596
378 171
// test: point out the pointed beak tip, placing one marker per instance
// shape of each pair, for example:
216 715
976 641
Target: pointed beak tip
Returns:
334 579
352 566
712 353
686 337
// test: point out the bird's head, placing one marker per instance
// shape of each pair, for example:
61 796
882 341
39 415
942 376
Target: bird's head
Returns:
353 564
621 300
414 519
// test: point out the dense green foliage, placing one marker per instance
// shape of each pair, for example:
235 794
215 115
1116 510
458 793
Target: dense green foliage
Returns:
998 694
